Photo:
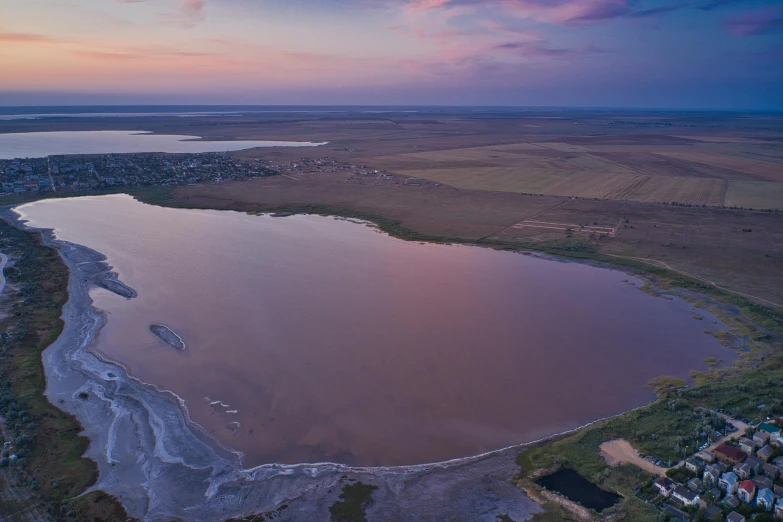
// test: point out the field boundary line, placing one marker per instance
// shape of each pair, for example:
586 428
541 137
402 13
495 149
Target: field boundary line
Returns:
527 218
702 279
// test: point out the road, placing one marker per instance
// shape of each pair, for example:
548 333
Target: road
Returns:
620 450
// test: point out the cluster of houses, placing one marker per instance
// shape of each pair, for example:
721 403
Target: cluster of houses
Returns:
747 471
97 172
23 176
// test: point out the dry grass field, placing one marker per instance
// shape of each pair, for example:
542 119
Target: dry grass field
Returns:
680 171
755 194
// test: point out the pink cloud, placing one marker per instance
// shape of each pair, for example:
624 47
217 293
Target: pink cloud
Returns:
761 21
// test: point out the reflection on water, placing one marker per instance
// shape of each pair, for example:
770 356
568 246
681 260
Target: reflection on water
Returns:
311 338
40 144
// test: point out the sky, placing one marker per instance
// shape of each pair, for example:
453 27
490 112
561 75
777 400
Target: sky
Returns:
689 54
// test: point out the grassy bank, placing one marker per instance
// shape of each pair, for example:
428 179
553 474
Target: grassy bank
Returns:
47 467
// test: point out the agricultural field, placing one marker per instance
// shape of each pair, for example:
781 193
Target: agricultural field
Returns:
755 194
704 171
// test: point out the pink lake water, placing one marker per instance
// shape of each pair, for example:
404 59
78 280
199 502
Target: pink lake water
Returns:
312 338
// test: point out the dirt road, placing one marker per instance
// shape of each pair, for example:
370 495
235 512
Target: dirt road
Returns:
620 450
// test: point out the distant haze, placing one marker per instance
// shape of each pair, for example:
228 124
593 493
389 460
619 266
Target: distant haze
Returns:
705 54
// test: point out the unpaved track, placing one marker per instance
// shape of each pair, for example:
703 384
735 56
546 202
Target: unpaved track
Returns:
620 450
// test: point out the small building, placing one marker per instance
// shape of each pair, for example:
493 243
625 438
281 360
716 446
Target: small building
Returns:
766 453
686 496
713 512
675 514
743 471
755 463
770 470
762 481
746 491
694 464
707 456
695 484
731 502
766 499
664 485
730 454
729 483
711 475
715 493
761 438
770 428
779 508
734 517
747 445
777 490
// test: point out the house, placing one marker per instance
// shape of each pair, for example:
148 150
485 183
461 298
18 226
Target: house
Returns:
762 481
686 496
761 438
755 463
766 453
728 482
769 428
715 493
664 485
731 502
695 484
746 491
747 445
713 512
707 456
765 499
734 517
711 475
743 471
730 454
694 464
770 470
777 490
675 514
779 508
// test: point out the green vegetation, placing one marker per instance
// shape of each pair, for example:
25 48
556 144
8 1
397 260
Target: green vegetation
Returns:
670 428
48 462
353 502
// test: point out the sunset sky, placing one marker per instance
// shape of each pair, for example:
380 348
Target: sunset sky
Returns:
721 54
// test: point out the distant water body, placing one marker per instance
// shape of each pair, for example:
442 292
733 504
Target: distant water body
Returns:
312 339
41 144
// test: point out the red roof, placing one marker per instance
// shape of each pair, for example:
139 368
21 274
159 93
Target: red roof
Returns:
731 452
748 485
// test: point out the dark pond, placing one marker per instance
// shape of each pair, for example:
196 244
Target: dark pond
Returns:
576 488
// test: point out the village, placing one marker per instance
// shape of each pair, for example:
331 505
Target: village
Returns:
740 478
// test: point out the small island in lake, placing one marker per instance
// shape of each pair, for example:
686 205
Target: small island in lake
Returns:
168 336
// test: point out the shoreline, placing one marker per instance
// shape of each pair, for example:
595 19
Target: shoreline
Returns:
307 488
143 440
